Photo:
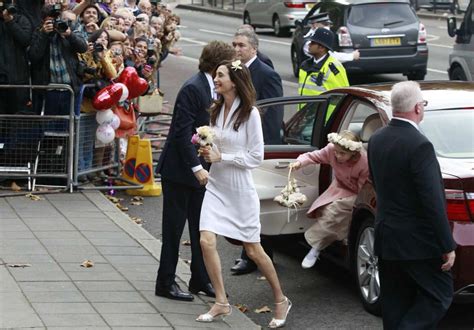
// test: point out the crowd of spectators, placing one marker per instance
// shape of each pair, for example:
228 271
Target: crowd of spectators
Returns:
79 41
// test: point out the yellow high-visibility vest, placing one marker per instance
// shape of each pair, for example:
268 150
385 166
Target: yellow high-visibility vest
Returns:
312 81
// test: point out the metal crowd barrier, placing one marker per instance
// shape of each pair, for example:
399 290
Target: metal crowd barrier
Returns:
37 147
57 150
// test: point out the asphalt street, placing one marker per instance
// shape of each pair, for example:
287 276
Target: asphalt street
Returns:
324 297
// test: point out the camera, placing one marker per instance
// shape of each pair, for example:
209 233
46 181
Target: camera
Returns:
59 25
98 47
9 6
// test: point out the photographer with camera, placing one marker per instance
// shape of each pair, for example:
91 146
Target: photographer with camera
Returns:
89 20
53 55
15 36
145 60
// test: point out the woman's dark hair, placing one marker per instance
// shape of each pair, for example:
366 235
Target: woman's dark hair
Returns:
90 6
245 91
96 35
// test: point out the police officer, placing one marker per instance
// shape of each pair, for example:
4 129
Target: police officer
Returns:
322 21
322 71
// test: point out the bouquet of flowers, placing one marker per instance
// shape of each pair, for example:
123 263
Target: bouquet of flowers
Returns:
290 196
203 137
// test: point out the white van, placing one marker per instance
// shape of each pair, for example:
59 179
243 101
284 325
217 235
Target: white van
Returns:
461 58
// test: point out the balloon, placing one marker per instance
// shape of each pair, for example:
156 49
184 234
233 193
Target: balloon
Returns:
105 133
124 92
107 97
128 74
115 122
104 117
137 87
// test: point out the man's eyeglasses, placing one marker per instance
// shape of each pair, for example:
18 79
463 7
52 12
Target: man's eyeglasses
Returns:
424 102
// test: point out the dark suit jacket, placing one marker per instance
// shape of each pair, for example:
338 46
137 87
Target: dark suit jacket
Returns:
267 83
179 155
411 221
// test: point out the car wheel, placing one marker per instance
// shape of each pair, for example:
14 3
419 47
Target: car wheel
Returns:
247 19
457 73
278 29
366 268
295 62
416 75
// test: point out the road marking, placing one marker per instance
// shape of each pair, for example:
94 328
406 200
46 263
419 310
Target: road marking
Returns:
201 43
431 37
442 46
437 71
259 39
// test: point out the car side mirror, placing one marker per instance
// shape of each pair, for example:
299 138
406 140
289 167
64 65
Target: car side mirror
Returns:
452 31
299 23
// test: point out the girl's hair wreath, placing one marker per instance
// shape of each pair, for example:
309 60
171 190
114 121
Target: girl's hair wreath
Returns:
345 143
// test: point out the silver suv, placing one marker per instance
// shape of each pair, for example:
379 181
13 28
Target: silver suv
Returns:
461 58
388 34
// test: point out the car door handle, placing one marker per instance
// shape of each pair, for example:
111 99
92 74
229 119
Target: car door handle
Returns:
282 165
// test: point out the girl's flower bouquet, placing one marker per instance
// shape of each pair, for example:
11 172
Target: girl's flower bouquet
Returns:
203 137
290 196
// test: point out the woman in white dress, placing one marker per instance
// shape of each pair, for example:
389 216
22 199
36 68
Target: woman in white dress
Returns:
231 207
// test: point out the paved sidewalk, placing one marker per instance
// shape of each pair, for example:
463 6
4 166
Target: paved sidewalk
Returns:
43 286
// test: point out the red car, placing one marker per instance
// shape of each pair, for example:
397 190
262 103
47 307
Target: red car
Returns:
449 125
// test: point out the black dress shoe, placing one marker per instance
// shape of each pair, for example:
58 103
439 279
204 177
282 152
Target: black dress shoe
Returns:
206 288
174 292
244 266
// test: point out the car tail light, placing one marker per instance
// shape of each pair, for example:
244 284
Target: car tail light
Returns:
421 34
294 4
344 37
460 206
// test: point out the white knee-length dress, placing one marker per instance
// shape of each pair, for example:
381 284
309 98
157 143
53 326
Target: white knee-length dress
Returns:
231 206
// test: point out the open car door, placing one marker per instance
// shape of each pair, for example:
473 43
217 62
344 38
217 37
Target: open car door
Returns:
301 133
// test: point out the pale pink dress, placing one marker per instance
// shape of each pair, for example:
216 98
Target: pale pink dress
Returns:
334 207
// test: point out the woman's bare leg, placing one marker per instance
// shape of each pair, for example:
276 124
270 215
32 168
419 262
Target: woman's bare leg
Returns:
214 270
265 265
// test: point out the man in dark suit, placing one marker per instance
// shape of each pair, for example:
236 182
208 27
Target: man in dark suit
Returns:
184 175
413 240
267 83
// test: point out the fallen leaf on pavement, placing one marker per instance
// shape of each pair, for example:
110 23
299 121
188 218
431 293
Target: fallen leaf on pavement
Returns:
186 242
137 220
121 207
261 278
264 309
87 264
243 308
34 197
15 187
19 265
137 198
136 203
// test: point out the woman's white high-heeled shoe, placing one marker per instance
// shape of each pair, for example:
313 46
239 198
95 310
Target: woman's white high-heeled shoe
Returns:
207 318
280 323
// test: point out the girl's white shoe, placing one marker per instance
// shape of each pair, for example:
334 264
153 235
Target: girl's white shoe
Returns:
280 323
207 318
310 258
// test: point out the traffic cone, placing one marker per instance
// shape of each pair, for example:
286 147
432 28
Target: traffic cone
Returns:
144 171
128 170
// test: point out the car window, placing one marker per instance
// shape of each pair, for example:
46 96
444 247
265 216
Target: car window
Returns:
381 15
336 13
356 116
450 131
301 129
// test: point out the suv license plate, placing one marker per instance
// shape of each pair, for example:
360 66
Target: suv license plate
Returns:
378 42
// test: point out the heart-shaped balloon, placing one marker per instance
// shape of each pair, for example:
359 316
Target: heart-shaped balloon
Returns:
128 74
137 87
107 97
